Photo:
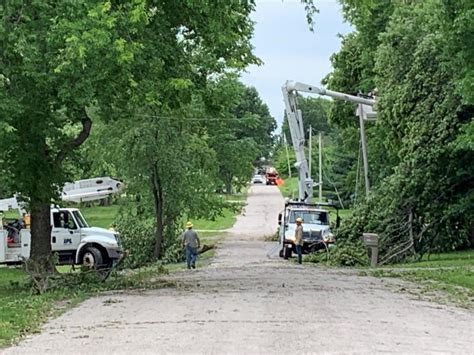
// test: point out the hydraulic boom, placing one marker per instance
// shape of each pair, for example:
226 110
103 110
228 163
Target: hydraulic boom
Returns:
366 111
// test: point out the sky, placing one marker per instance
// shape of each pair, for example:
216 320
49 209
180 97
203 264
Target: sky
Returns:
289 50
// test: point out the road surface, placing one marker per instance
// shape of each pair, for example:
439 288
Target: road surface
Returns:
248 302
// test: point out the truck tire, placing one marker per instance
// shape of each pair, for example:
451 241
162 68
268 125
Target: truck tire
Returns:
92 258
287 252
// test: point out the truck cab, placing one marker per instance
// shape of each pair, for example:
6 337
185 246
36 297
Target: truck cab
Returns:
316 228
72 239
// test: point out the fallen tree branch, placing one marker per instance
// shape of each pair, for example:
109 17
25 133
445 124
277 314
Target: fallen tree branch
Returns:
206 247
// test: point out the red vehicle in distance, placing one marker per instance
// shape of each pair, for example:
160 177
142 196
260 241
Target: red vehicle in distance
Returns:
271 176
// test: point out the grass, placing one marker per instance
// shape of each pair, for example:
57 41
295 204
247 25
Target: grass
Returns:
242 196
451 273
225 221
290 187
454 259
104 216
21 312
100 216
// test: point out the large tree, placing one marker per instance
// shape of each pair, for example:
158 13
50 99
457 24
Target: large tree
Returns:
57 60
64 63
418 58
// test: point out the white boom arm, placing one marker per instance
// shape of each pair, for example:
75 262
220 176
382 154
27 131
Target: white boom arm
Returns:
292 86
77 191
295 121
90 189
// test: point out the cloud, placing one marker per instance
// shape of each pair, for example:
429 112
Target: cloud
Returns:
290 51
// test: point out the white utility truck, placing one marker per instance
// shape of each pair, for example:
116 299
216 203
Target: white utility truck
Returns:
72 238
316 228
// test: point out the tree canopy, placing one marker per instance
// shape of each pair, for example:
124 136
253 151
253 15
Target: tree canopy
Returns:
416 55
137 66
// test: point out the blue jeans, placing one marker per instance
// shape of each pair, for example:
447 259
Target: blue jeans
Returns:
191 256
299 251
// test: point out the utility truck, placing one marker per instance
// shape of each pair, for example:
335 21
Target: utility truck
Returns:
72 238
317 232
271 175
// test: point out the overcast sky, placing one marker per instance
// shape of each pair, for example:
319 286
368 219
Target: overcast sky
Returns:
289 50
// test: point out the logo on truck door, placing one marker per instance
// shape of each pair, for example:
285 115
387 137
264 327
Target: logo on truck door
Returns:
67 241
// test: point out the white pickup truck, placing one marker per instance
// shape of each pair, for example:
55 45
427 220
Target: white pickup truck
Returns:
71 237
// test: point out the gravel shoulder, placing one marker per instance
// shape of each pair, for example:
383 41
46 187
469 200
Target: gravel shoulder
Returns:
250 301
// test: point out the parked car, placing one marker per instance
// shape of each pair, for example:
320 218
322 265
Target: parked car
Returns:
258 179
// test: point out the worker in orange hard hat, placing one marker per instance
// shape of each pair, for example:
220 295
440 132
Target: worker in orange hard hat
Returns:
299 239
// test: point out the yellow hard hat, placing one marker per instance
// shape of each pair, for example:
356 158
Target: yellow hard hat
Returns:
189 225
299 219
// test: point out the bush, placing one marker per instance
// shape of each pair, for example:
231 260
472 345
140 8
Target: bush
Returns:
343 254
138 239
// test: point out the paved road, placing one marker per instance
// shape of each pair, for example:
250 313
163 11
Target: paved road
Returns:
246 302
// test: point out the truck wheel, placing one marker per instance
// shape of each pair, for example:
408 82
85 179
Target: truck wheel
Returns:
287 253
281 253
92 258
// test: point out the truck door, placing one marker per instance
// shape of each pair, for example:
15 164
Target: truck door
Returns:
65 234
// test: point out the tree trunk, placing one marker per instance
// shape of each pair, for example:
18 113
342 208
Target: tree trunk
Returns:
41 235
158 201
228 185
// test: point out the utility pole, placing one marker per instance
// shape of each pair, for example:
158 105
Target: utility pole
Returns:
363 140
310 148
320 168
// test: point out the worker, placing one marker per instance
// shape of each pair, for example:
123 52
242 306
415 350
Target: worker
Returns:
191 243
299 238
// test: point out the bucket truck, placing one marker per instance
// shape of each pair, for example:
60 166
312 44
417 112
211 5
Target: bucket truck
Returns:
72 238
316 228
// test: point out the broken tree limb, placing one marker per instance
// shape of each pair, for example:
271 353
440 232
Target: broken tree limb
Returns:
206 247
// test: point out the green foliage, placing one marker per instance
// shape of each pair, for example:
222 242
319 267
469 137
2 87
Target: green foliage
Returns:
138 238
342 254
315 113
420 157
67 66
243 135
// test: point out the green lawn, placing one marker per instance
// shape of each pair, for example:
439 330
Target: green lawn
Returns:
100 216
290 187
458 258
225 221
104 216
20 311
452 273
235 197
